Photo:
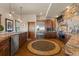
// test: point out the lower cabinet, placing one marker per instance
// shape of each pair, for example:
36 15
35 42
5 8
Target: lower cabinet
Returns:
22 38
5 45
31 35
50 35
4 48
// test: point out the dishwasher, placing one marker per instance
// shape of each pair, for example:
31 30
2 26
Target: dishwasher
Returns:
14 44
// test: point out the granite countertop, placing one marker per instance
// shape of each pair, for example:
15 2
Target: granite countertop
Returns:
3 38
5 35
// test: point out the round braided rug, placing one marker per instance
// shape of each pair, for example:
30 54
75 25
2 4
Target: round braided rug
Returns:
43 47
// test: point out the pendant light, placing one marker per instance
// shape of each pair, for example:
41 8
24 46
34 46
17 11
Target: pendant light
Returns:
10 10
21 15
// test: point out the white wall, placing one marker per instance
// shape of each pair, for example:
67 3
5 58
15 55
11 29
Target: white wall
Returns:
73 22
14 17
23 22
29 18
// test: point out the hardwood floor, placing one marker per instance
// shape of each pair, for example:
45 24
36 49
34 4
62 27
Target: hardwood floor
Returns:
23 51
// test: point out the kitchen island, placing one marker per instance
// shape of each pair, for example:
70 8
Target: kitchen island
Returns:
9 41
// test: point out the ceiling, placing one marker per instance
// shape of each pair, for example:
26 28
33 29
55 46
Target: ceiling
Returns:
57 8
37 8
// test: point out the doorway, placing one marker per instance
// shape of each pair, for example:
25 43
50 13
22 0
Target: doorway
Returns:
31 30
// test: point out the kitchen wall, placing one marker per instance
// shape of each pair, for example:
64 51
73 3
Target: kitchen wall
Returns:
73 24
29 18
4 12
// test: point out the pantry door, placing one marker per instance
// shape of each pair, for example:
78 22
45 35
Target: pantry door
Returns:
31 30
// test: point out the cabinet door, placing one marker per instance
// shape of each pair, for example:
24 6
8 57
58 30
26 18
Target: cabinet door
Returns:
1 52
4 48
4 51
22 39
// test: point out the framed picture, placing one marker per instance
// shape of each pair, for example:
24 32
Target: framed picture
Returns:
8 25
17 26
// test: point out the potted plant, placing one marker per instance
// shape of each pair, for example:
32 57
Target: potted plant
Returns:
1 28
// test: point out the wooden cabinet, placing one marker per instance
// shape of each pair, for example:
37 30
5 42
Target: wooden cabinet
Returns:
5 43
22 38
50 35
50 29
48 23
4 48
31 35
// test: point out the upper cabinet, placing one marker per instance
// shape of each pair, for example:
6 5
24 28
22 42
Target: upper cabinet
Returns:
50 25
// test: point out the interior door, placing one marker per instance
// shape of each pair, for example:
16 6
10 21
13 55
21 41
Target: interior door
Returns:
31 30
